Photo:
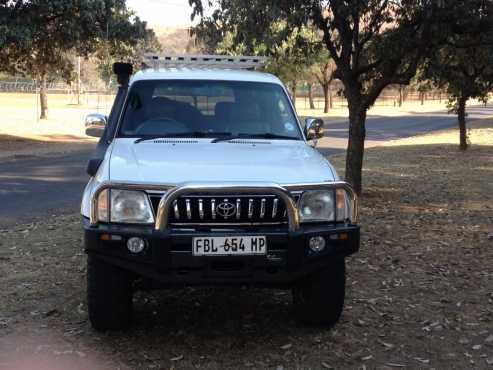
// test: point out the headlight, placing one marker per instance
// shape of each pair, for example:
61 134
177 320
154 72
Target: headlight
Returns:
129 206
125 206
317 205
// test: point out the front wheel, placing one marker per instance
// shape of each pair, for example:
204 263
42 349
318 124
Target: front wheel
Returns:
319 298
109 295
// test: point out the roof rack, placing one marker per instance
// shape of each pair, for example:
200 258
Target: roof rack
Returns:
157 61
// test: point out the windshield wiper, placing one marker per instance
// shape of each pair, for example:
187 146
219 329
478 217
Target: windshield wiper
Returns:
193 134
266 135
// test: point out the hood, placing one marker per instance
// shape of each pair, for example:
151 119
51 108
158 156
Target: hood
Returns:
173 161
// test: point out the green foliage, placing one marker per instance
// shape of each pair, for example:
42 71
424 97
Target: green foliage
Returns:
323 68
373 43
131 51
291 50
292 56
40 37
463 65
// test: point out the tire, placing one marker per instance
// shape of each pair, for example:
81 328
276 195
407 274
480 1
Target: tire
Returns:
109 295
319 299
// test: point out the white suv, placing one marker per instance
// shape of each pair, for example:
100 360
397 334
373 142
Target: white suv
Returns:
204 176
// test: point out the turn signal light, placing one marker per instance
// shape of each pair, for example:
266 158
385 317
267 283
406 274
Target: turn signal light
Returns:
107 237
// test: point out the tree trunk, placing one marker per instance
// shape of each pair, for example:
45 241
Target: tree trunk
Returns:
356 145
461 114
293 92
401 96
43 98
325 88
78 81
310 96
331 101
422 98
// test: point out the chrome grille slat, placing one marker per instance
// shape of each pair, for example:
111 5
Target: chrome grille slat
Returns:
213 208
250 208
274 208
238 208
262 208
177 211
201 209
189 209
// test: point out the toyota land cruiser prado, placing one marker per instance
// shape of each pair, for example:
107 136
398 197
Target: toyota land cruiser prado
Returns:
204 175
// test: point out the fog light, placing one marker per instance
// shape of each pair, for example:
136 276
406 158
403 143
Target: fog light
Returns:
136 245
317 243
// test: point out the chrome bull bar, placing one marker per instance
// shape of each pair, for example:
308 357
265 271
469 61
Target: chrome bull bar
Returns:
172 193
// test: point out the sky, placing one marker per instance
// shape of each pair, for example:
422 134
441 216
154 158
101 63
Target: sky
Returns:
167 13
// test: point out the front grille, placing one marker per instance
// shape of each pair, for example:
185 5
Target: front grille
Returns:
229 209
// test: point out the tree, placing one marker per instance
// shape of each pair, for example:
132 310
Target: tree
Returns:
324 74
464 64
42 36
291 58
373 43
309 86
130 50
291 51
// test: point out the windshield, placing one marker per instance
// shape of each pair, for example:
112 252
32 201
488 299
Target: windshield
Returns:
198 108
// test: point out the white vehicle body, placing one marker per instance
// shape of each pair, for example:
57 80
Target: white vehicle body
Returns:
172 162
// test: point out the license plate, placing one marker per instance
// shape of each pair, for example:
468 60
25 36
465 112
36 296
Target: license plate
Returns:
229 246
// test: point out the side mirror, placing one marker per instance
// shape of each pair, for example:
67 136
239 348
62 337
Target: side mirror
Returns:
314 128
95 124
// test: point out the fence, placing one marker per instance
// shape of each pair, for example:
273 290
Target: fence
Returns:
89 96
100 98
389 97
32 86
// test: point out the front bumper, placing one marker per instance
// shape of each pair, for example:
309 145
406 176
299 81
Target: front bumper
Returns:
168 257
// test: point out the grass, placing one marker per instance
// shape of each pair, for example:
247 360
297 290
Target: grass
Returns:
20 114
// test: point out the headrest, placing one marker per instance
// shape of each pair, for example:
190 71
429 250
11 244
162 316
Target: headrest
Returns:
245 112
161 106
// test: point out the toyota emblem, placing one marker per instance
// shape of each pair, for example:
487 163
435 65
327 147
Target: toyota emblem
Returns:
226 209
